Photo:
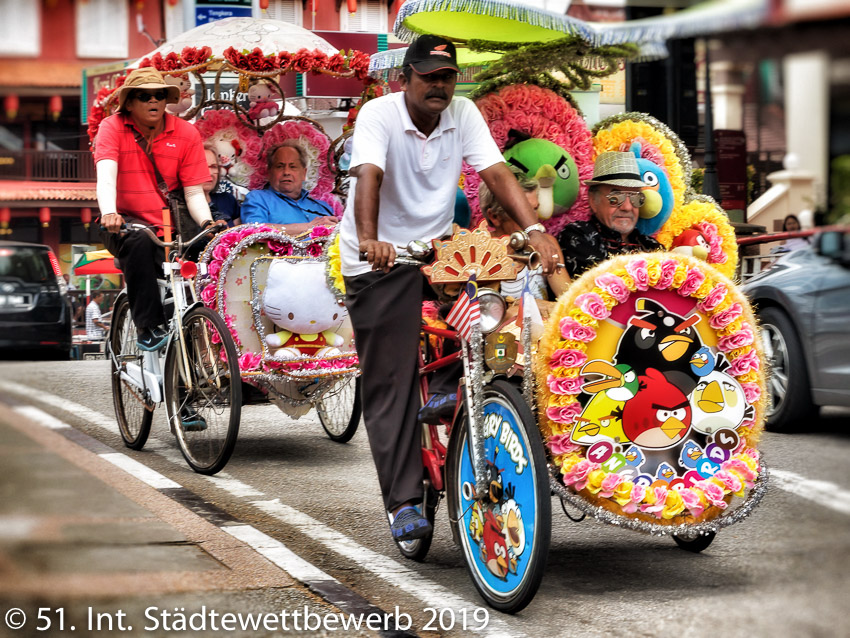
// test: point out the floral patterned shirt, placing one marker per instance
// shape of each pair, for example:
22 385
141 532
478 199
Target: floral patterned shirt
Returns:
586 244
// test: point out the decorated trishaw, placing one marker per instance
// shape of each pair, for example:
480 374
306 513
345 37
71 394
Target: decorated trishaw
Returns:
645 391
279 295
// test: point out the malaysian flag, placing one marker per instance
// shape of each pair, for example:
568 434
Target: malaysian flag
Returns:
465 312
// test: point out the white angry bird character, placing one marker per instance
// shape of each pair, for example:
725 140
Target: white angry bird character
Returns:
298 301
718 401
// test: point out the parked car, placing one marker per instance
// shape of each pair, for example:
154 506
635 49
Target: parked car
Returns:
35 312
803 303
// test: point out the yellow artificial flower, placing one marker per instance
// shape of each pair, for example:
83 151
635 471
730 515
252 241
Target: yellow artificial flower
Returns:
653 271
680 275
570 461
673 504
594 481
623 492
704 289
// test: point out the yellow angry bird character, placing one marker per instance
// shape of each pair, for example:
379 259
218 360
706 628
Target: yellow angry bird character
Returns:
601 418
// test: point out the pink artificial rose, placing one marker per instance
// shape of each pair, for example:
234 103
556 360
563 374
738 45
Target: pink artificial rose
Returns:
222 353
592 304
752 453
250 361
741 469
609 484
725 317
314 250
729 480
692 501
637 495
668 270
752 392
247 232
561 444
214 269
692 282
574 331
564 385
578 475
637 269
656 507
564 414
229 239
744 363
319 231
568 358
220 252
208 294
744 337
216 337
714 297
614 286
713 492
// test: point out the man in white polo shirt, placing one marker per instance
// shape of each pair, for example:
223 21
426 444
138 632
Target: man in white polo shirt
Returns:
408 149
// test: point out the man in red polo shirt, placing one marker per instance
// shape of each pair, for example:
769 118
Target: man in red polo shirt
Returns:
127 189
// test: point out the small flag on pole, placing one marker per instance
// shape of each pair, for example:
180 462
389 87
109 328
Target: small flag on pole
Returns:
465 313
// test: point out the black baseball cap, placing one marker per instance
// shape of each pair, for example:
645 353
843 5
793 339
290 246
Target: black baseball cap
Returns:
429 53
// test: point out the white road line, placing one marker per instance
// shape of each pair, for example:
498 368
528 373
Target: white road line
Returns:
821 492
140 471
93 417
41 417
278 553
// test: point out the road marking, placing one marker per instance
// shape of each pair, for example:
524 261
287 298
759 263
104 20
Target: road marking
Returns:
41 417
140 471
821 492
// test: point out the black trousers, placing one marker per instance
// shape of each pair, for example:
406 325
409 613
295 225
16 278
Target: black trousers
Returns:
141 261
386 312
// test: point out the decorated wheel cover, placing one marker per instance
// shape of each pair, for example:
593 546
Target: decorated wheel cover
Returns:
651 389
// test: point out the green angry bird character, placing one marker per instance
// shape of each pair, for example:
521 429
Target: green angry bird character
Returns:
552 166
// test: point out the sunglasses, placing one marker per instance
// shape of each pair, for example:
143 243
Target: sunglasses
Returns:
145 96
616 198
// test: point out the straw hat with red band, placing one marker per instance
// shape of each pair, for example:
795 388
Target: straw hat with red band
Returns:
429 53
146 79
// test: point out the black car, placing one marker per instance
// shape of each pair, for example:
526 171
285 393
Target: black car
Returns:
803 304
35 311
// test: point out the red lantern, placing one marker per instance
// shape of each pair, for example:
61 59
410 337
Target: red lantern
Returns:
264 4
5 218
85 215
12 103
352 5
44 217
54 107
140 5
173 3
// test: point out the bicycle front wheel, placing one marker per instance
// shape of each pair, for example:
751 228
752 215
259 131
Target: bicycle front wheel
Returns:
339 410
133 404
504 535
203 391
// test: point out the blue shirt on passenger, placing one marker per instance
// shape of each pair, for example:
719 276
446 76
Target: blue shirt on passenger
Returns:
269 206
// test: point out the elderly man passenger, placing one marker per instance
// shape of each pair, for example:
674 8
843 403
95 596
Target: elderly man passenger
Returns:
285 201
615 199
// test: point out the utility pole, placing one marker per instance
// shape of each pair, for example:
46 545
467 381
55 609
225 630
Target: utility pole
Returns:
710 185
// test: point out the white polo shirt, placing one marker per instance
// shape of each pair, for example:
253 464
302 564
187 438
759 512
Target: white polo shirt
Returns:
421 173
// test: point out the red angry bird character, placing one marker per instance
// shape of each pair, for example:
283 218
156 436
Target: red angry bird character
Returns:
692 242
659 415
495 549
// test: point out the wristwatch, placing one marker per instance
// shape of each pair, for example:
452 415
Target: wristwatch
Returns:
537 226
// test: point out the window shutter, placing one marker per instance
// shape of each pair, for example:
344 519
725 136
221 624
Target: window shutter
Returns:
20 29
102 29
291 11
371 16
174 21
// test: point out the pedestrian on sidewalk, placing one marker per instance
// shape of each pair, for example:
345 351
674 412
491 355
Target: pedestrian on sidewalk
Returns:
95 328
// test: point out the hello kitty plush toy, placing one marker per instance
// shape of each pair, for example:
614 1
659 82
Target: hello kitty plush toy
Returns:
297 300
261 97
185 85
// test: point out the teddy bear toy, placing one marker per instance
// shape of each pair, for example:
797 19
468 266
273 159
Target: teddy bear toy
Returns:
185 102
298 301
261 97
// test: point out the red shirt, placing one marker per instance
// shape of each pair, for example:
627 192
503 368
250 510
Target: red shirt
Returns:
179 155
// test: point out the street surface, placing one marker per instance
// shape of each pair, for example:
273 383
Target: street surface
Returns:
781 572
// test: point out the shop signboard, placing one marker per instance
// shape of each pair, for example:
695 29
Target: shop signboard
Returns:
220 9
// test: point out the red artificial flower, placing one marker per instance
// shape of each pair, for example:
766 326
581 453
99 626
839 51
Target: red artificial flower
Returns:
234 57
257 61
336 63
320 62
284 59
303 61
146 62
193 55
171 62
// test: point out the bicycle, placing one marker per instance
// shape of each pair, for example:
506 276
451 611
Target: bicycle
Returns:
196 374
492 470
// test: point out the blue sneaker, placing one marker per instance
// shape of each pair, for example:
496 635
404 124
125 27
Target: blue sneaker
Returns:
152 339
439 406
409 525
191 421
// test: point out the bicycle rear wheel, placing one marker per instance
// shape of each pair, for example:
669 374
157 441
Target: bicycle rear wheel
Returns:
505 535
133 405
204 394
339 410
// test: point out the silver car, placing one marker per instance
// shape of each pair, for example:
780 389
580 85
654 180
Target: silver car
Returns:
803 303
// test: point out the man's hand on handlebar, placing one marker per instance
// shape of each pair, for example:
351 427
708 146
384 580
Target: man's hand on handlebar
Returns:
548 248
214 226
380 254
112 222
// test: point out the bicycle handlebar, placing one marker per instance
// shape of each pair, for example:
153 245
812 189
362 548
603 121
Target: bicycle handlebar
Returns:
176 244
